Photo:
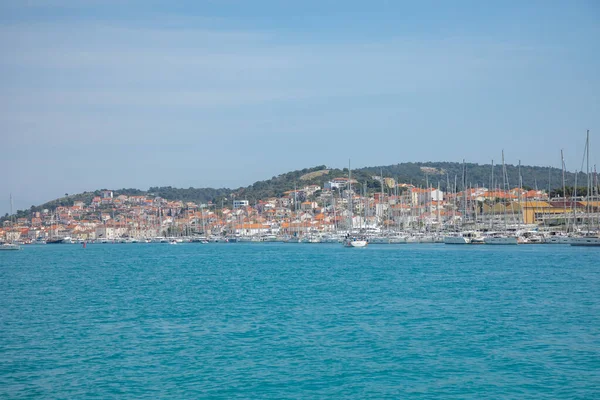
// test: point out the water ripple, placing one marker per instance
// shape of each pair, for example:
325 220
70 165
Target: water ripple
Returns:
300 321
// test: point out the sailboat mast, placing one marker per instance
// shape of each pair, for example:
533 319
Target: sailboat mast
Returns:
504 179
12 227
350 208
365 202
464 190
589 182
494 201
520 190
381 199
437 208
565 220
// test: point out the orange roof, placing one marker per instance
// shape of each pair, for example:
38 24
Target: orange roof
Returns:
252 226
500 194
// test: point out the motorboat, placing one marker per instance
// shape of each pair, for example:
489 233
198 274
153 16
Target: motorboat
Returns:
355 242
9 246
501 239
468 237
588 239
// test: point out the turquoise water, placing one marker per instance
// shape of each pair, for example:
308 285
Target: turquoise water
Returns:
300 321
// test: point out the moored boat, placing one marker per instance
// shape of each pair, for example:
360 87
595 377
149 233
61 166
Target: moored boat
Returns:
10 246
467 237
355 242
590 239
499 239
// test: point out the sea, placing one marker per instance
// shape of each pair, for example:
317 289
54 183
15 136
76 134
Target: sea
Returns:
300 321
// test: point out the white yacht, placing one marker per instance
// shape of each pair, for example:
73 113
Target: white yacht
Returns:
199 239
331 238
468 237
355 242
398 239
420 237
531 237
379 239
9 246
269 238
589 239
557 238
501 239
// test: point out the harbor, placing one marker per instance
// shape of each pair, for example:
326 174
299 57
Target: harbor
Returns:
341 210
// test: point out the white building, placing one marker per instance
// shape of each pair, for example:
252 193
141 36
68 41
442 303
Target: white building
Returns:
240 203
424 196
338 183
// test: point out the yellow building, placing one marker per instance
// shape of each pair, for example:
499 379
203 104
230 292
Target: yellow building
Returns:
534 211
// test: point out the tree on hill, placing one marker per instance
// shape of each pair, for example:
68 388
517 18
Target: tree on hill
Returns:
418 174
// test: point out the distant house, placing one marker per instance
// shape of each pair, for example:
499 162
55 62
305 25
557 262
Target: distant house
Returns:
308 205
535 195
423 196
251 229
311 189
240 203
107 232
138 199
337 183
285 201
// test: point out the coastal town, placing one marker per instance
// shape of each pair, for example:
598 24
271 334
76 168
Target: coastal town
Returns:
397 213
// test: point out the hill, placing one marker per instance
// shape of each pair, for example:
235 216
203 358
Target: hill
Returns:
446 174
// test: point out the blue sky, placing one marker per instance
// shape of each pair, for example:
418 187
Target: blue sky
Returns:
111 94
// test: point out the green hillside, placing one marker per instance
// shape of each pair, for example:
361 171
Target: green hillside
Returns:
446 174
476 175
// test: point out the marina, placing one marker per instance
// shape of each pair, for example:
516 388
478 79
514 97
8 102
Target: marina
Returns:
299 200
340 210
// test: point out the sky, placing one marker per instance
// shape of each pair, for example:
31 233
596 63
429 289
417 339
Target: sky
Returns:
122 93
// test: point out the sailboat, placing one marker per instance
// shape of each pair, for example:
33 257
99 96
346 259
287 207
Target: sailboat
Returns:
502 238
10 245
350 240
52 239
590 237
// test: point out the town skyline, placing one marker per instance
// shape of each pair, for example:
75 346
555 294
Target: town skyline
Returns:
432 174
222 94
303 213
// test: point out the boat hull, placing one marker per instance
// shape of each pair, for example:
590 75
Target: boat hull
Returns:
456 240
9 247
586 241
355 243
558 240
510 240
